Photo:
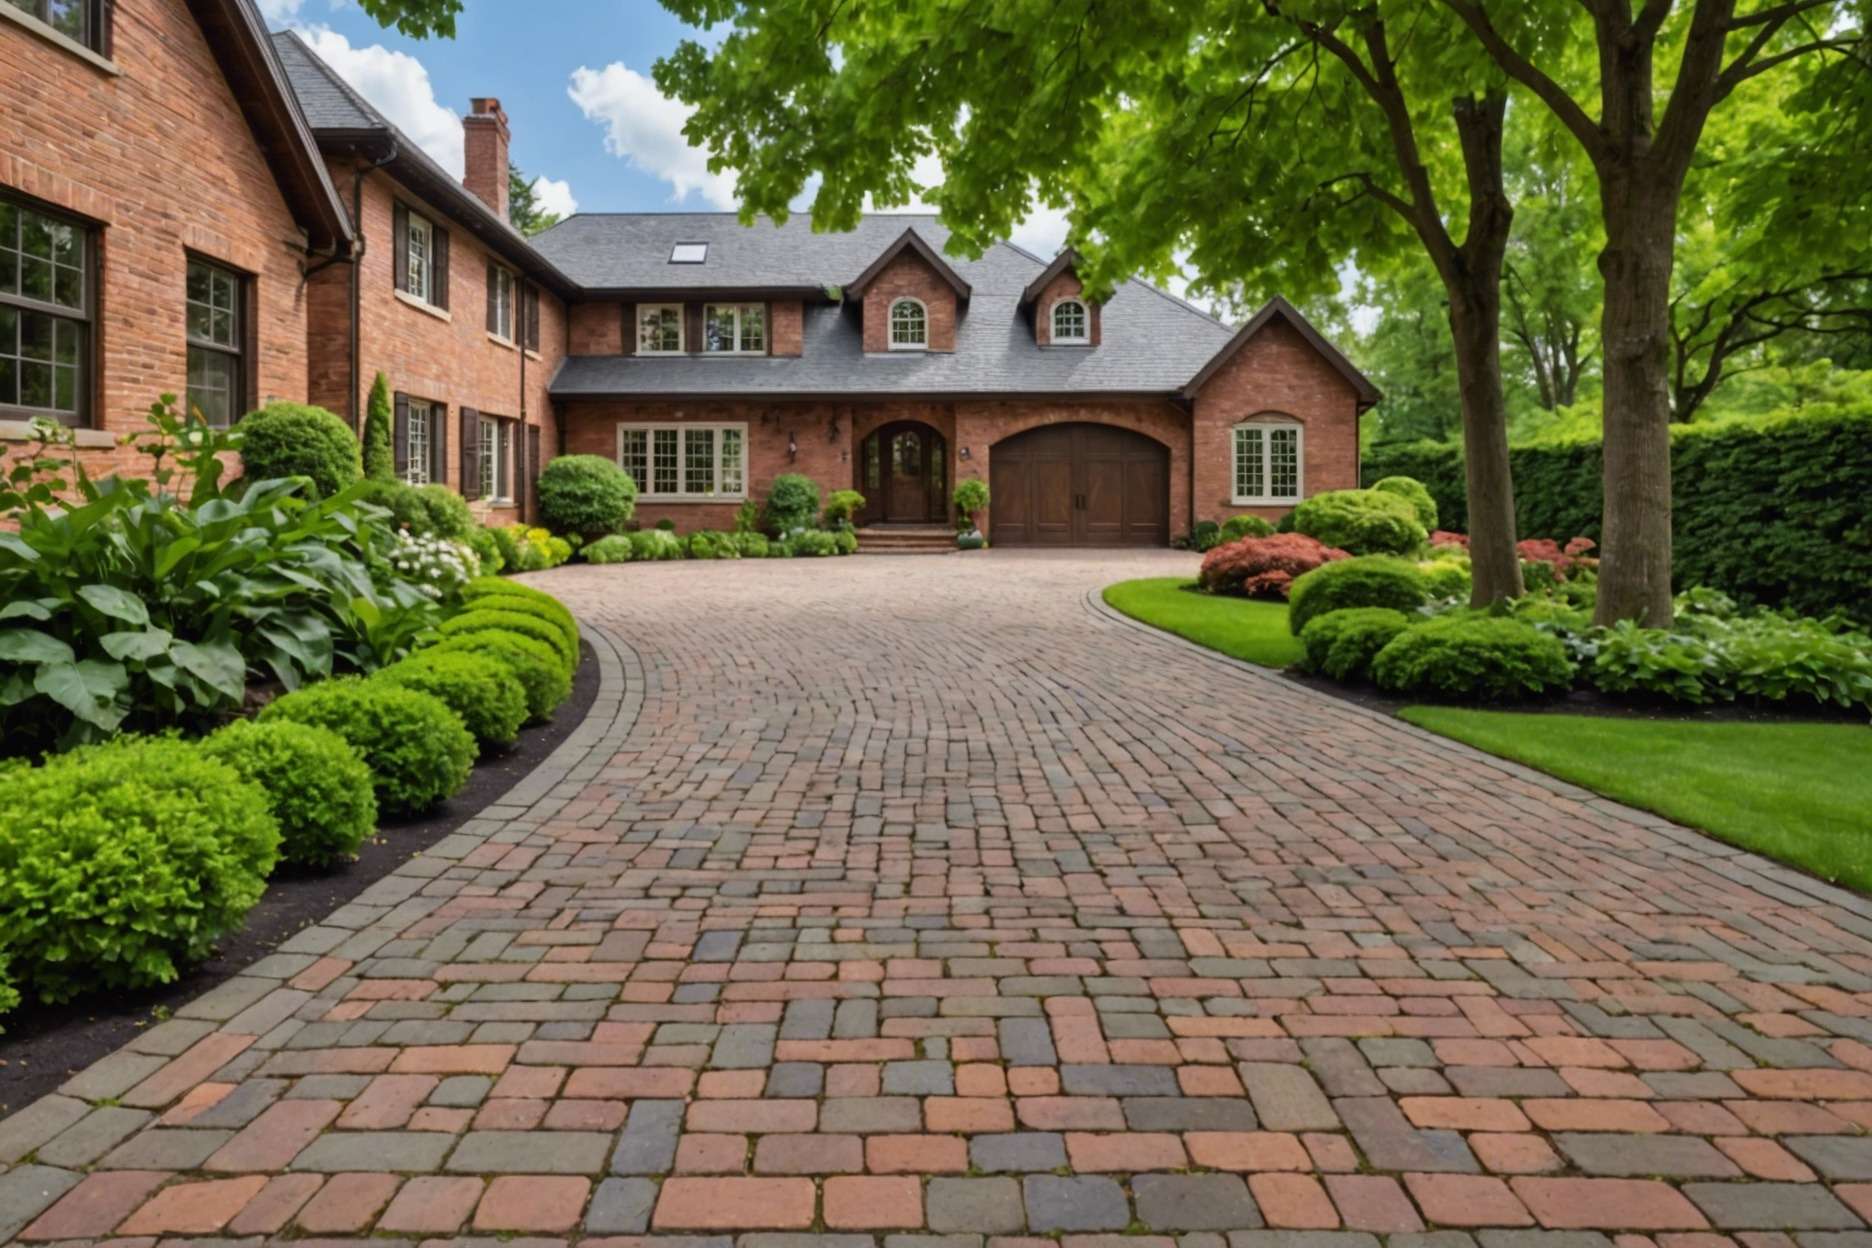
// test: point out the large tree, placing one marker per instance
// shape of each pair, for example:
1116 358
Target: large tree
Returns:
1660 70
524 212
1259 145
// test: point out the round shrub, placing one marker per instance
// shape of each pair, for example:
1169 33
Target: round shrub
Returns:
482 586
1473 657
1365 522
486 549
538 606
613 549
405 503
970 497
1412 491
813 544
416 747
1368 581
793 503
1263 567
708 544
841 506
1446 578
318 788
846 541
1206 536
480 688
1238 527
476 620
751 545
298 440
655 544
1342 644
121 862
533 663
586 494
448 514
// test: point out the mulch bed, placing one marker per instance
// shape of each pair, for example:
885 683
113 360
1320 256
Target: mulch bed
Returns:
45 1045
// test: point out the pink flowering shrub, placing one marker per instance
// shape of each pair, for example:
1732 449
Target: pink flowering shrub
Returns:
1264 567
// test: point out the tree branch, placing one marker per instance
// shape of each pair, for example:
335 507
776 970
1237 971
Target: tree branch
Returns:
1740 71
1524 71
1777 13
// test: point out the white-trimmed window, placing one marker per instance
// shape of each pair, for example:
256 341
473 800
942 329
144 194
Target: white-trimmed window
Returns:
1269 463
659 329
1071 324
734 329
496 459
215 367
500 310
420 438
673 463
909 325
419 273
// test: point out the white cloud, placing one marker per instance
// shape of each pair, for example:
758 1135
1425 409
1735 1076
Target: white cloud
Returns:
398 85
644 127
554 195
279 12
1043 232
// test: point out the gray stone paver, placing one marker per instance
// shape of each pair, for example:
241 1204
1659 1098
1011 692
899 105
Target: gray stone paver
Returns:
926 901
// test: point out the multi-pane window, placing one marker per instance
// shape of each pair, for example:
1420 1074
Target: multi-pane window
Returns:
75 19
500 303
496 459
1070 323
1267 463
735 328
45 313
685 461
909 325
215 370
419 275
421 436
659 329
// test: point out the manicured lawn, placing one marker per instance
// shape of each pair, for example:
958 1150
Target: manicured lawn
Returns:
1242 627
1798 793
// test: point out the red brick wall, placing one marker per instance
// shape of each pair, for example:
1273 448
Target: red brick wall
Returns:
452 360
162 159
1276 372
909 274
597 328
1067 283
789 328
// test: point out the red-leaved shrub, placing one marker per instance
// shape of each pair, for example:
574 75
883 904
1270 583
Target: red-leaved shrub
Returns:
1443 537
1562 559
1264 567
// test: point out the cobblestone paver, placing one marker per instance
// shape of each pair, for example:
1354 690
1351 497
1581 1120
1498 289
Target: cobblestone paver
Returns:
923 902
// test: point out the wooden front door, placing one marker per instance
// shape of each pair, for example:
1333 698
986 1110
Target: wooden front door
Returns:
1079 485
906 474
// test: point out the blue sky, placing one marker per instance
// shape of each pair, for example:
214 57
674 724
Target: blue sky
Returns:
574 78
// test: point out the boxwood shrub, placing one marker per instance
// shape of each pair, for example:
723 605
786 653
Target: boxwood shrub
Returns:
475 620
792 503
417 749
751 545
1237 527
1473 657
586 494
316 785
1342 644
1367 581
538 605
533 663
708 544
1413 492
655 544
480 688
299 440
613 549
1365 522
123 862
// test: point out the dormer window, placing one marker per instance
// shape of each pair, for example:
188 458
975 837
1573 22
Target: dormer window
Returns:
1071 325
909 325
688 253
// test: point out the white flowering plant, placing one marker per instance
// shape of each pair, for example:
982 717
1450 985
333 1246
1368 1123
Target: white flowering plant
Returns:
437 566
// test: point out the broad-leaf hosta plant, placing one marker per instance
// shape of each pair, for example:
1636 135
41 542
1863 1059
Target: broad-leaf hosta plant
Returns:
150 602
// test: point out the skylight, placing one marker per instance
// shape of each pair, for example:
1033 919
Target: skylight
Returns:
688 253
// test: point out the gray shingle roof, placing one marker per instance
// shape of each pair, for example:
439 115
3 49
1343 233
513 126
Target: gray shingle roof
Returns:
327 100
1152 342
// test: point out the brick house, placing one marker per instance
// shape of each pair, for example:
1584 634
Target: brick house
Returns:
161 205
462 315
709 358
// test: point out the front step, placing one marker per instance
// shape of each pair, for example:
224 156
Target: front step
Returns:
918 540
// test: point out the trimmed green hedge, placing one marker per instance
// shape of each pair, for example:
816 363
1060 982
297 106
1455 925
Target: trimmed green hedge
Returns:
1771 512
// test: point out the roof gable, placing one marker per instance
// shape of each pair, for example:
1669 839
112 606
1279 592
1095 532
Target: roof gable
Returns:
909 240
1067 259
1368 394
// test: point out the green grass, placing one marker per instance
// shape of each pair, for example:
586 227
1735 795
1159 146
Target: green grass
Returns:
1245 628
1797 793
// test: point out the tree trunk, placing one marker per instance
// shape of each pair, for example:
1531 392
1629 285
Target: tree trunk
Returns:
1475 325
1635 557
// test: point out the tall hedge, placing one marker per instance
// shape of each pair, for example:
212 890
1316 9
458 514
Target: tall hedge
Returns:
1773 512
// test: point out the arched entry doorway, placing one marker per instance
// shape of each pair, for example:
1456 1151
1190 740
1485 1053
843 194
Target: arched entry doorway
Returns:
1079 485
905 475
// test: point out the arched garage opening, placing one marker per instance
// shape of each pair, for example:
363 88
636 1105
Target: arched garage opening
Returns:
1079 484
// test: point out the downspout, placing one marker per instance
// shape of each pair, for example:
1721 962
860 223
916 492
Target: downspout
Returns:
522 325
358 252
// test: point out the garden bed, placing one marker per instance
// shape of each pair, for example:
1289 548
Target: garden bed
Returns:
44 1045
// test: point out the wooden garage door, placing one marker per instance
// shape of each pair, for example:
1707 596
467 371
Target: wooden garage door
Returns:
1079 485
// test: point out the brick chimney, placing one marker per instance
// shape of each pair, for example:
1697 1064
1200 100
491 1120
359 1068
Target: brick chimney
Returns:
485 138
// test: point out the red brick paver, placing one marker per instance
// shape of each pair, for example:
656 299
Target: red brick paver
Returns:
889 895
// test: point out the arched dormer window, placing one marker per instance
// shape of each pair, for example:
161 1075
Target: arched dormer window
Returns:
1269 460
909 325
1071 325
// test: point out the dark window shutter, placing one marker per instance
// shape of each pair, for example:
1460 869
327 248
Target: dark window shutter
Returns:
529 483
629 312
400 435
439 296
399 244
249 396
493 308
692 328
438 446
106 18
532 318
470 453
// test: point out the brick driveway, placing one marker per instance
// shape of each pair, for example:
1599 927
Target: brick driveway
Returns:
920 895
